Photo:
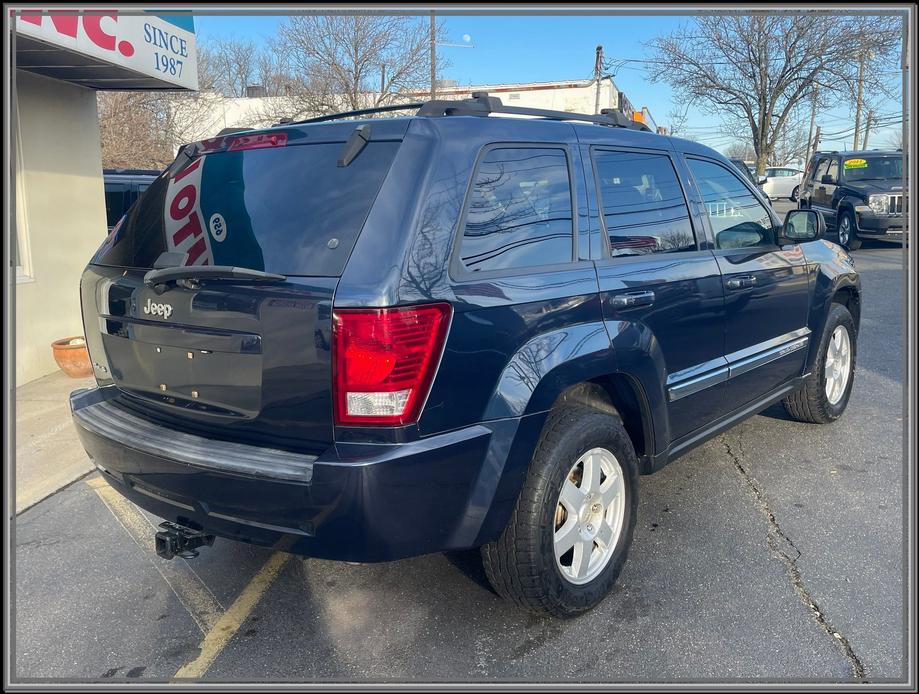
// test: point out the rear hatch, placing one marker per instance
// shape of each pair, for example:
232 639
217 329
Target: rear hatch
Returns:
239 359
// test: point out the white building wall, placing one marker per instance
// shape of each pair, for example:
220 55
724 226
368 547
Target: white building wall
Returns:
60 214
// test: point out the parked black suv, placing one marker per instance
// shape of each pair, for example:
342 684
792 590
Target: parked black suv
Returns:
366 340
860 194
122 189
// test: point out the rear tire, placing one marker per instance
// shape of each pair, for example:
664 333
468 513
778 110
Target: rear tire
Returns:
522 564
845 230
794 194
816 402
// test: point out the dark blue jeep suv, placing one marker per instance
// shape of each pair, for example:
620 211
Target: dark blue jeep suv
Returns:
371 339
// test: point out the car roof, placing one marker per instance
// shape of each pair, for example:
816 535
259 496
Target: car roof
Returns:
864 153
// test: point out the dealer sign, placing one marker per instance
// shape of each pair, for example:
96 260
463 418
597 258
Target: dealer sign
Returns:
143 43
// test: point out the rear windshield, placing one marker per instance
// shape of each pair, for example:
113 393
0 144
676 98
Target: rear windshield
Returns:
290 210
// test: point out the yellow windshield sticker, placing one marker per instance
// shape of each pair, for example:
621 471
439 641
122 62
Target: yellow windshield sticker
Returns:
855 164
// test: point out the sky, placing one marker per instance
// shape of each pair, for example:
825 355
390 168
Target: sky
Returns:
506 49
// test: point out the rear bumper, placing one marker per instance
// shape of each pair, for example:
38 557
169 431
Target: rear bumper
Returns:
355 502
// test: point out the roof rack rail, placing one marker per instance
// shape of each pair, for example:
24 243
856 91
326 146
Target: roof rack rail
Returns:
350 114
481 104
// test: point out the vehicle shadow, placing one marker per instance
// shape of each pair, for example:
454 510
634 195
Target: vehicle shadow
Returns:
469 564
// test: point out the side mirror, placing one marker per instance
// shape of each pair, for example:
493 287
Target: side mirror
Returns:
826 178
803 225
762 180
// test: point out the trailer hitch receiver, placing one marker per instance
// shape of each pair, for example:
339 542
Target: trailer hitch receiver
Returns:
173 540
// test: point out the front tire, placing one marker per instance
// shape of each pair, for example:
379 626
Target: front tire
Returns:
845 228
571 528
825 393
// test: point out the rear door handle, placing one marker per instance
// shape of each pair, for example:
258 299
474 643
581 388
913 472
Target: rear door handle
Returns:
741 282
633 299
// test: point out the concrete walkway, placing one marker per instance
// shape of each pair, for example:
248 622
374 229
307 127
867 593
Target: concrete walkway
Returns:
48 452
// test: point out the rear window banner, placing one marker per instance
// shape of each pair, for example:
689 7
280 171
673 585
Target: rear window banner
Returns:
183 221
855 164
226 217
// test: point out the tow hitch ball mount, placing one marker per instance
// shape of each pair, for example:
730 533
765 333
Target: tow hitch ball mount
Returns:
173 540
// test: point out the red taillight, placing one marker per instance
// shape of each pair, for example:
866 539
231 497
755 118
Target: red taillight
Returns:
384 361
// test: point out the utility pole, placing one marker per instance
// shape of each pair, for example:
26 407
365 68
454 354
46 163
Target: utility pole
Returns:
598 67
816 142
810 130
867 129
433 56
858 98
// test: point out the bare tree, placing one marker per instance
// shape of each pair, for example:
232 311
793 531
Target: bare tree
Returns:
233 64
677 117
132 136
753 70
895 139
349 62
740 150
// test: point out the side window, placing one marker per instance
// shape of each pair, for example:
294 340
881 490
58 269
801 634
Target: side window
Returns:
115 203
643 205
738 219
520 212
833 169
823 167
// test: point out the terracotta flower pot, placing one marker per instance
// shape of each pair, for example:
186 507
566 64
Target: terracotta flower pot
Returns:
72 356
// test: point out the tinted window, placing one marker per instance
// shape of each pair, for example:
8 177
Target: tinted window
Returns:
115 204
833 169
519 211
738 219
273 209
643 204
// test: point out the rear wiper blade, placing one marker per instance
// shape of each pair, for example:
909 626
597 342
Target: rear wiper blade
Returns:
229 272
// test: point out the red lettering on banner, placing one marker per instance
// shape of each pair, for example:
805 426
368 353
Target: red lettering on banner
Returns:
187 170
65 24
187 194
195 252
191 228
92 25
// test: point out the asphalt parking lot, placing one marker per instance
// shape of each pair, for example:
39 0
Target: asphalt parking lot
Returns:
774 551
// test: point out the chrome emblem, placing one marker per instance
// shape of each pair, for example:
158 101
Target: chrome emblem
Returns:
164 310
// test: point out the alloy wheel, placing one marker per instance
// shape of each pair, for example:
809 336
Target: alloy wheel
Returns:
837 365
589 516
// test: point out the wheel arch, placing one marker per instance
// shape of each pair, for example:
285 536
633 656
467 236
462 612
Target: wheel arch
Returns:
621 395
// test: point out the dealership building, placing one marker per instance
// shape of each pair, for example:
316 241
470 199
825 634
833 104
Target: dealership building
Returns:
60 61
